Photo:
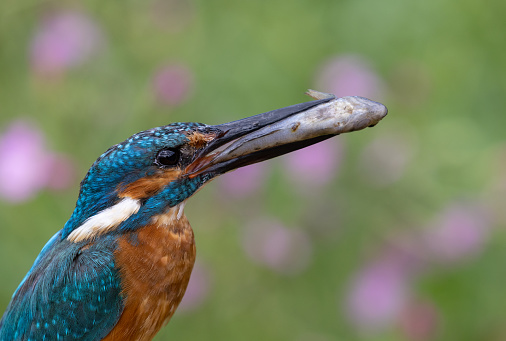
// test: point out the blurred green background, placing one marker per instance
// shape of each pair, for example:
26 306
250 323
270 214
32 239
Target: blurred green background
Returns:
392 233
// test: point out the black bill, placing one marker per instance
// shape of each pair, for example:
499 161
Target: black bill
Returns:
265 136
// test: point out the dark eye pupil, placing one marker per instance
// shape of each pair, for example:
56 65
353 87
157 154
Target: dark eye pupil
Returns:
167 157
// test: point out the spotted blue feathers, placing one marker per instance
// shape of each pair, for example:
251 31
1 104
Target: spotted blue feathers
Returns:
73 290
125 162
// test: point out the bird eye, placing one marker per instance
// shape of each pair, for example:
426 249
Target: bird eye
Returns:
167 157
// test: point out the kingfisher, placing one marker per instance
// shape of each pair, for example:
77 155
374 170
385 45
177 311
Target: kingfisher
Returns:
120 265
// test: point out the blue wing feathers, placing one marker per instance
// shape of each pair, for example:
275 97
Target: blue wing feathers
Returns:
72 292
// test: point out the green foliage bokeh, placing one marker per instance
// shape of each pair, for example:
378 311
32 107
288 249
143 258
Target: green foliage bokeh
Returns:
249 57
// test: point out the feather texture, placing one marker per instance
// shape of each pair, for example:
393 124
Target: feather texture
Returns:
72 293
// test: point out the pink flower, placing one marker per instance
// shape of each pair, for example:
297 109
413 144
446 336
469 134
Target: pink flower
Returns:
378 294
419 321
64 40
285 250
348 75
62 172
243 181
314 165
198 288
23 166
459 233
26 166
172 84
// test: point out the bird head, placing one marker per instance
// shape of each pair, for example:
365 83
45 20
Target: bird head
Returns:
159 169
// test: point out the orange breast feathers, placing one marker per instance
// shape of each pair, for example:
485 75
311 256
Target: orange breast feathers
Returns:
155 266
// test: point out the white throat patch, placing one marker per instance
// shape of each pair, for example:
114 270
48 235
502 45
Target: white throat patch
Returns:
105 220
171 217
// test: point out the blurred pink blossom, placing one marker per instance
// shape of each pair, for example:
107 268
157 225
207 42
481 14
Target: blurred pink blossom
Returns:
62 172
198 288
244 181
23 166
378 294
285 250
385 159
26 166
349 75
64 40
172 84
419 321
314 165
459 233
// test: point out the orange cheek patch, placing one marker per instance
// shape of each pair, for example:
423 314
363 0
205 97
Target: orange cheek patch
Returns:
199 140
149 186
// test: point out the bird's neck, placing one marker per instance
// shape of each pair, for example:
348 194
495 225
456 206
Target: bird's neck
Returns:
155 265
